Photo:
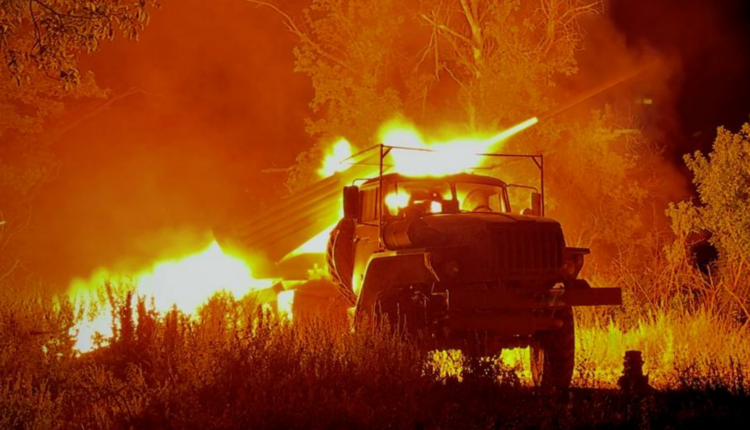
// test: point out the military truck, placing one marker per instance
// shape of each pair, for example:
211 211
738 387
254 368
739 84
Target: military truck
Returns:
448 262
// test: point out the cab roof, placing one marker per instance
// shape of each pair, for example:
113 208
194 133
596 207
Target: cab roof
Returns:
458 177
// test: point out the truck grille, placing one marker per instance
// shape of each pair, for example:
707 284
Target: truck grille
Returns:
527 251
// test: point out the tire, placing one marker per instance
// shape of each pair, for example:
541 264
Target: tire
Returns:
553 354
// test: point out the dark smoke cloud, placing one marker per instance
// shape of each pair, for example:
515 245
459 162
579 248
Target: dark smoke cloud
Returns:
711 41
700 56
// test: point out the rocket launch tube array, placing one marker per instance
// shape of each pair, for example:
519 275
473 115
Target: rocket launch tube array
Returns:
270 234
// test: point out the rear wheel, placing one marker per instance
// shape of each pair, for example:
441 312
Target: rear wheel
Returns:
553 354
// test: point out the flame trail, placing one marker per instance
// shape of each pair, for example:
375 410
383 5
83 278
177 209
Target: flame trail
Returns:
511 131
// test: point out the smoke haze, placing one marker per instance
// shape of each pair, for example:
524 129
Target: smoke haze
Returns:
218 103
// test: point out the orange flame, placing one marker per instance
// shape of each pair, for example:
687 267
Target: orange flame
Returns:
452 156
447 157
340 151
186 283
189 282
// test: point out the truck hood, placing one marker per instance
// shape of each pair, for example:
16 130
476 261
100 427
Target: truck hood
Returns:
462 221
473 229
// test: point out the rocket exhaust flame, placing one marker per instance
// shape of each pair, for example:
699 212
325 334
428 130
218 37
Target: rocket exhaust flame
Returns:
341 150
444 157
397 134
511 131
185 283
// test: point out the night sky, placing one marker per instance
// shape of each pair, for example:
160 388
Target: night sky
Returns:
712 41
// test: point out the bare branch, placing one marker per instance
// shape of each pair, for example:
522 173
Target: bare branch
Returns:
10 271
99 109
303 37
447 30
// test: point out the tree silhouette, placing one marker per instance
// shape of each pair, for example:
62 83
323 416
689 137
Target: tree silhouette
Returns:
40 44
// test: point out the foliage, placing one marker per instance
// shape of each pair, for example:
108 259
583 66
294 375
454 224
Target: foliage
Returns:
40 44
348 50
371 60
482 66
504 56
235 366
46 37
600 184
722 181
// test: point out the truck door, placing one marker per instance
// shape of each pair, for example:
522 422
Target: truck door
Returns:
366 234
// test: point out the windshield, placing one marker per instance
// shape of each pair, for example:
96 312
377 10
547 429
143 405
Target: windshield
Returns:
481 198
435 197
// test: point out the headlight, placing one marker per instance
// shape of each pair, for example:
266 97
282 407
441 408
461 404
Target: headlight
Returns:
569 270
573 262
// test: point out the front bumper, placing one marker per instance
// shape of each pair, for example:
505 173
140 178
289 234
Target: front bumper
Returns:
521 313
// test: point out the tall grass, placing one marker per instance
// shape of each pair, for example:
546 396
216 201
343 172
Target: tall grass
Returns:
670 342
235 366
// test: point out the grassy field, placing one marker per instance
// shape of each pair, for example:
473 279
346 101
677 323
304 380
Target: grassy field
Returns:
234 366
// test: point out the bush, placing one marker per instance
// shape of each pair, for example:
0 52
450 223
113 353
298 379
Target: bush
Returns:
722 181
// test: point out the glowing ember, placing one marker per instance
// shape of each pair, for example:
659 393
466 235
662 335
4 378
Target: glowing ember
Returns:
186 283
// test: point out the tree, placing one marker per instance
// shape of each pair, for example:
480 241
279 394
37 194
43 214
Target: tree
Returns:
41 42
350 51
479 65
722 210
722 180
504 56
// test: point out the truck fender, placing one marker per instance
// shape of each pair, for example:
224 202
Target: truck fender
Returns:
392 269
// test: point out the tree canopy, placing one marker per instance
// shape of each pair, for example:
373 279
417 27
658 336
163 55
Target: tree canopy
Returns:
481 64
41 42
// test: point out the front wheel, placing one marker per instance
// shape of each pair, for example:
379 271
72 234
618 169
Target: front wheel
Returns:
553 354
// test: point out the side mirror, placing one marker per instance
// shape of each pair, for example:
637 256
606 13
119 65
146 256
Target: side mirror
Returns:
536 205
351 202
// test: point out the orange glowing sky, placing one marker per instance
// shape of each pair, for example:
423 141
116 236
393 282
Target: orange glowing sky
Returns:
221 103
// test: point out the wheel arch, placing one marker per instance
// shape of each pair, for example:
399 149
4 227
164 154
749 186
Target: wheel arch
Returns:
388 269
